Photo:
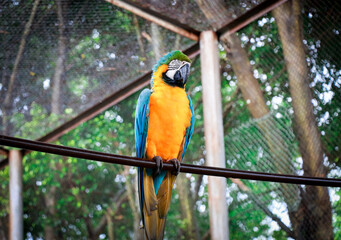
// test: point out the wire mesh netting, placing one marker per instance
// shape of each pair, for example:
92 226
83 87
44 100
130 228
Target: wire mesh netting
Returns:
291 122
74 54
190 13
281 106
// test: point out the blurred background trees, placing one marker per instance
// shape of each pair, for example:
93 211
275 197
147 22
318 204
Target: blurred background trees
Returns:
281 102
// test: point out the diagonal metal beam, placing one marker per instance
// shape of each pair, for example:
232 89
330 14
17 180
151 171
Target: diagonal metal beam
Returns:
248 17
150 15
113 99
91 112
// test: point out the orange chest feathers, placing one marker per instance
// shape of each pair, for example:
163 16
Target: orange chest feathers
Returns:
169 117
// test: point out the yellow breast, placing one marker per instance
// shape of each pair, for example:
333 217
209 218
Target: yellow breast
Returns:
169 117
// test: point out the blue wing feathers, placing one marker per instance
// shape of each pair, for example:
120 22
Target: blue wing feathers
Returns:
141 131
189 130
141 122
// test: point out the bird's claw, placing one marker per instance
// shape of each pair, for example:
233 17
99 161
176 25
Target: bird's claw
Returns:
159 165
177 165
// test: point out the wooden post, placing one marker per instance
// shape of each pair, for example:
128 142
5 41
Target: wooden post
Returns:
214 133
16 226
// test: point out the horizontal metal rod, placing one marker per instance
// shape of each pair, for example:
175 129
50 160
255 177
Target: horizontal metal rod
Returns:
185 168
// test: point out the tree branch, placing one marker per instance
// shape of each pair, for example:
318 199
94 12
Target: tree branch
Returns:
138 35
20 52
197 188
266 210
7 101
206 235
120 197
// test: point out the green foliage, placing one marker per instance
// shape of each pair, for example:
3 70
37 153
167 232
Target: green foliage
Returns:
337 215
84 190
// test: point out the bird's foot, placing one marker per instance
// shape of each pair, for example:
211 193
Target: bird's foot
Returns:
159 165
177 165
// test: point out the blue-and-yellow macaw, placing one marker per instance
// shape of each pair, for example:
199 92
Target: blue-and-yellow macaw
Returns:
164 123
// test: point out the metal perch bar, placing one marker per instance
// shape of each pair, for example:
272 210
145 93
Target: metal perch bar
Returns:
185 168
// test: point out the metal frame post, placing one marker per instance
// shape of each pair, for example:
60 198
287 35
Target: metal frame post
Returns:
214 133
16 226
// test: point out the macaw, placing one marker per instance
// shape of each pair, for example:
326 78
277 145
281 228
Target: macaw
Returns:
164 123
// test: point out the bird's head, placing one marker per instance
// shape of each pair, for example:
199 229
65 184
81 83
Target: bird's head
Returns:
173 69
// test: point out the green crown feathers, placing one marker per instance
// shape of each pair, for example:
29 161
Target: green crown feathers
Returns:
166 59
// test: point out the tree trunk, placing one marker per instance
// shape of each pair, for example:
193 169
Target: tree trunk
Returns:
55 109
110 225
187 207
138 35
247 83
59 72
133 202
4 81
316 222
111 211
3 228
50 203
157 41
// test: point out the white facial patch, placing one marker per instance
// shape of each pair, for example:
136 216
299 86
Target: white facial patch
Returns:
171 73
174 66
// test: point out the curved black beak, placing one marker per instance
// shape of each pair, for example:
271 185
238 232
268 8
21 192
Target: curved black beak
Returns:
180 77
184 73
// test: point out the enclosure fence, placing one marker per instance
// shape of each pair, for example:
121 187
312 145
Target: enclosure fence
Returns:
64 63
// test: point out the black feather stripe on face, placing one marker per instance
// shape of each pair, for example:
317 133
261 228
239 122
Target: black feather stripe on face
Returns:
172 82
177 77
